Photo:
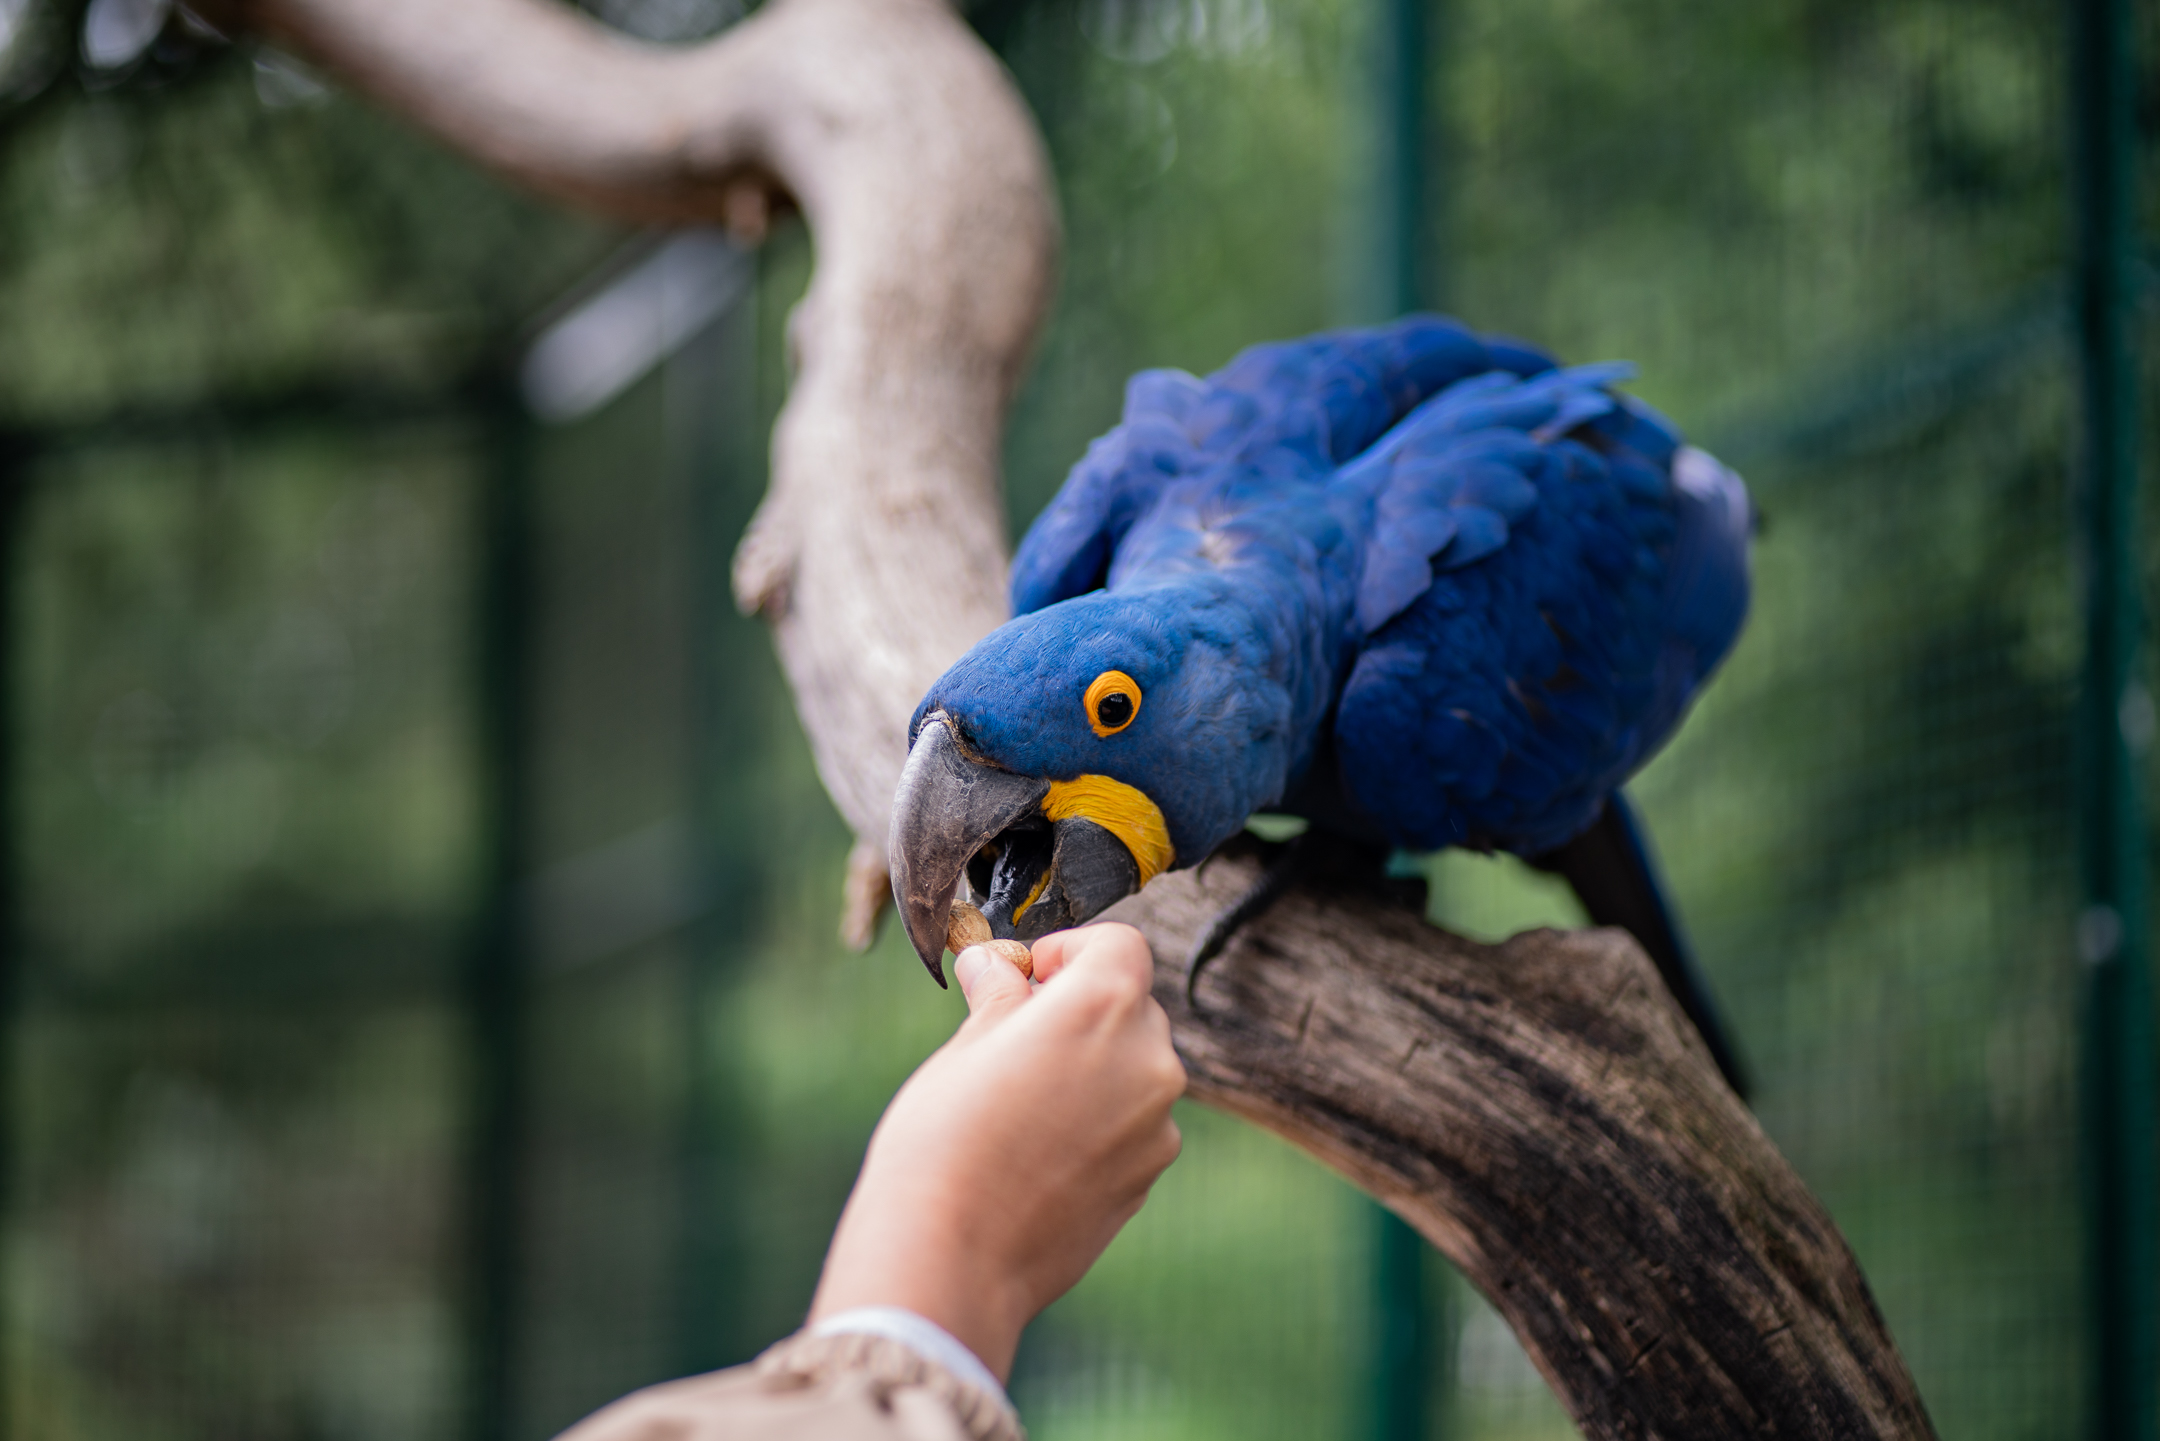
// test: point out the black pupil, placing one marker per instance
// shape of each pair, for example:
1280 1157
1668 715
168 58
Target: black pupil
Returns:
1114 709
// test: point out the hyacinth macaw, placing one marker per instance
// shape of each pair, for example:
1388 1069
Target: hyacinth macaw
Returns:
1421 587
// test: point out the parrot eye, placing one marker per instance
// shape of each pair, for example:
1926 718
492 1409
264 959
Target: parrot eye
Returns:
1113 699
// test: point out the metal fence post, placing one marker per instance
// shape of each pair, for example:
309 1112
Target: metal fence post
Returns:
711 420
495 986
1400 279
2115 724
15 456
1402 240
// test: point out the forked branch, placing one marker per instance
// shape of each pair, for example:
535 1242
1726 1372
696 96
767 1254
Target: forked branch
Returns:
879 553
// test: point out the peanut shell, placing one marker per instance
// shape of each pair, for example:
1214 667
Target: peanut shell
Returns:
1017 953
966 928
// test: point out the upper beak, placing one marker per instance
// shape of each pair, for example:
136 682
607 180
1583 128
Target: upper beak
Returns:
946 809
1033 873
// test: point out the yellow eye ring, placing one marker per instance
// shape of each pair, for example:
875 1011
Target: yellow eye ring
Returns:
1112 701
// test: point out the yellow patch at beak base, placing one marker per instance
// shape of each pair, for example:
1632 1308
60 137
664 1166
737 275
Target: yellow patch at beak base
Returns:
1121 810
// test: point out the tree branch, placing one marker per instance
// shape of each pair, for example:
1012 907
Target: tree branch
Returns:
1546 1116
1540 1110
879 553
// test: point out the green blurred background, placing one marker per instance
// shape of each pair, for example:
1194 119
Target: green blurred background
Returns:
423 1012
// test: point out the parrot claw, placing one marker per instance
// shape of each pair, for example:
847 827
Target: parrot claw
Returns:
1282 872
1320 857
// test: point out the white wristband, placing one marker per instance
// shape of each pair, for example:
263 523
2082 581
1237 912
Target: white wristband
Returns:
925 1337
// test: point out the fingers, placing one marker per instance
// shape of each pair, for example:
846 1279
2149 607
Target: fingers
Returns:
1053 951
993 985
1110 944
1167 1071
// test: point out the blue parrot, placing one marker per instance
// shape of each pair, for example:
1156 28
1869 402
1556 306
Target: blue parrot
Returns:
1422 587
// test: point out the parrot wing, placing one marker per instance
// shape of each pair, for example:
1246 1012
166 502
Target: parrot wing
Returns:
1314 402
1540 600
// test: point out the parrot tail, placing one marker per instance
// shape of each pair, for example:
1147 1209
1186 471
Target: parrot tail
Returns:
1616 878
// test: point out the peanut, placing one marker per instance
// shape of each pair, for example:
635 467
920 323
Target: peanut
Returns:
1017 953
966 928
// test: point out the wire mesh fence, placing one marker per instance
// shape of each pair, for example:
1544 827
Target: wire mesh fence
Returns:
243 851
266 656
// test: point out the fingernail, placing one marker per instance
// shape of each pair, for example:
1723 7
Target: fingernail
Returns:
969 964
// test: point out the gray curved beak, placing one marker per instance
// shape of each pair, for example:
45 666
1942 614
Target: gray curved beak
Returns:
947 808
957 815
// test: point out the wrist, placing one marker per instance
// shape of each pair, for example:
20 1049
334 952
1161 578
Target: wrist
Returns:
920 1335
926 1263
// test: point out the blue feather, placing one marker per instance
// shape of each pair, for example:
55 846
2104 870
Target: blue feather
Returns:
1486 586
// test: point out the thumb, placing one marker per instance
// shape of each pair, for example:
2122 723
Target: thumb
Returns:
993 985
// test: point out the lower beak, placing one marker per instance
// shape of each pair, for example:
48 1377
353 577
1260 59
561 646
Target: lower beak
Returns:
955 815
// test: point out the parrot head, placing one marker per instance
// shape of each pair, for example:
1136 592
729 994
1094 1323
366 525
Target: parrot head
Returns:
1078 752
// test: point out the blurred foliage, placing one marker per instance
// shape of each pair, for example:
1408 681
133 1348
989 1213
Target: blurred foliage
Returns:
250 326
203 240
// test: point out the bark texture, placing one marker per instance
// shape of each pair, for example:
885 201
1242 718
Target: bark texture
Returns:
1540 1110
1546 1116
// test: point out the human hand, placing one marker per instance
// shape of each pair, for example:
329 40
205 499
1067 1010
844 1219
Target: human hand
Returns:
1019 1149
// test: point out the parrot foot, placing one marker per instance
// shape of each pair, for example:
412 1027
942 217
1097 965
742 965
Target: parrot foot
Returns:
1318 856
1282 872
